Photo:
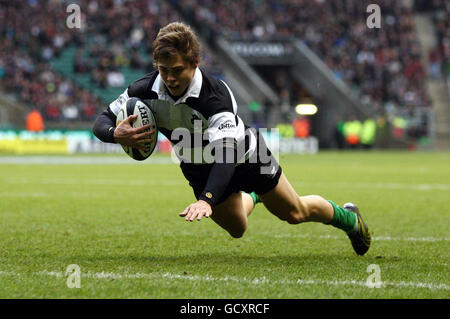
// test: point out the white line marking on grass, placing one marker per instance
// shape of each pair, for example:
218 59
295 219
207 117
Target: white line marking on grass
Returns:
418 187
26 195
254 281
70 181
376 238
80 160
23 194
431 239
74 181
8 273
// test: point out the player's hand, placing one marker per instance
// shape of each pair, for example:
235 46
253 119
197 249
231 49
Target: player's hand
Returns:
197 210
127 135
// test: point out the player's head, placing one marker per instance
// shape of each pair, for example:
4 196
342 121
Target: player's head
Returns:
176 55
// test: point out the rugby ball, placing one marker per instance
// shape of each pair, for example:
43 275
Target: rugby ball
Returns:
135 106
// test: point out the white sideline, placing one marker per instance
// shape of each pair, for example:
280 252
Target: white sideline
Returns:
255 281
375 238
79 160
75 181
175 183
417 187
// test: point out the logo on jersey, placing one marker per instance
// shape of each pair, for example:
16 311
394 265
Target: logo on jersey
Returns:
228 125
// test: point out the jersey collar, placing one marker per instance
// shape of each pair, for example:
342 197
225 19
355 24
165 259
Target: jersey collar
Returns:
192 91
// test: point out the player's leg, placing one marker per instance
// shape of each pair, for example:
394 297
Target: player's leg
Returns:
249 202
286 204
279 196
232 213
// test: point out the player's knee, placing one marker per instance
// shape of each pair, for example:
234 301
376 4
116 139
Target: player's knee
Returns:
237 233
238 230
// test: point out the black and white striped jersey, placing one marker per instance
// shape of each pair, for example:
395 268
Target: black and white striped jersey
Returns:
206 113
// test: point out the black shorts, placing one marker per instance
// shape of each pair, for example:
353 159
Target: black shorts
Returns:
259 174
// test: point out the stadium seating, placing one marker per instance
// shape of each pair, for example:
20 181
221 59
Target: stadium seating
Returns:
441 18
382 65
52 48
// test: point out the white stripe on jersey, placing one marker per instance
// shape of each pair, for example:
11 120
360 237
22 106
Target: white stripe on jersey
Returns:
233 100
116 104
240 130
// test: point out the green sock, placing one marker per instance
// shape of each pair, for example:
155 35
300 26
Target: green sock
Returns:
342 219
255 197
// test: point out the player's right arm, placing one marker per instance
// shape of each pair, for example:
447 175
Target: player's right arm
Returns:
105 127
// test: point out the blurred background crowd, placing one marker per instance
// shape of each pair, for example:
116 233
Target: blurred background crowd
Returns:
383 68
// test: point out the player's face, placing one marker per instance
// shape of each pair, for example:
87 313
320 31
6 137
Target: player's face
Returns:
176 73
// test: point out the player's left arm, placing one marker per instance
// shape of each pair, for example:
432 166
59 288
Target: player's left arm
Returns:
222 135
219 177
104 126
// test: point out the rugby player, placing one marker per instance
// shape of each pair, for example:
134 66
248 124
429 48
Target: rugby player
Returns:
182 96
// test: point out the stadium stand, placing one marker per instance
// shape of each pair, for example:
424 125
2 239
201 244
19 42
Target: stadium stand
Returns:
33 35
384 67
440 58
70 74
434 17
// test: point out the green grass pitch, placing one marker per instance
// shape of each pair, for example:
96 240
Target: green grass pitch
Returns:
119 223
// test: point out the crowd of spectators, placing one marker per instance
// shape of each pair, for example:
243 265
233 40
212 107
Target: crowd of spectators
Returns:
121 35
113 34
29 38
383 65
42 89
117 34
439 57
